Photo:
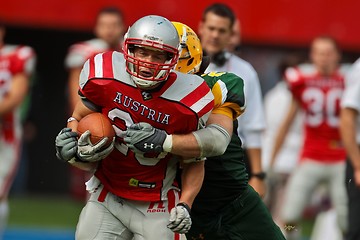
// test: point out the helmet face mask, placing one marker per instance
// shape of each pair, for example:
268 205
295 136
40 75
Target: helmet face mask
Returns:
191 53
153 33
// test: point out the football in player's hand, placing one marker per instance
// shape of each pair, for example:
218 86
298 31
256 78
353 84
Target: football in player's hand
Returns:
99 126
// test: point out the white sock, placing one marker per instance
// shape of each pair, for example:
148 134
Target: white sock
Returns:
4 212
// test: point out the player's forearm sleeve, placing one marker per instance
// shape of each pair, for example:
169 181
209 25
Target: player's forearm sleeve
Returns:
212 140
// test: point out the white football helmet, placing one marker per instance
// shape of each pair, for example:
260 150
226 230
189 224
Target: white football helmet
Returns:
156 33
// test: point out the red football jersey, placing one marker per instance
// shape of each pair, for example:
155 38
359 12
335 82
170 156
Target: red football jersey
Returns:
319 97
181 104
14 59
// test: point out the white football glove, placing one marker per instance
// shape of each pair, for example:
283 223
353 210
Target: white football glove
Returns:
180 219
92 153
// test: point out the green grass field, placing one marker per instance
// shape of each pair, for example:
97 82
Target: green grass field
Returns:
50 212
44 212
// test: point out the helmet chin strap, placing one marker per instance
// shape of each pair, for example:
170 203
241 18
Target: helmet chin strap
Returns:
144 84
141 83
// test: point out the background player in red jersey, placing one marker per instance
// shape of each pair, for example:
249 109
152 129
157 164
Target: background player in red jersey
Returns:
109 30
316 89
132 194
16 65
287 158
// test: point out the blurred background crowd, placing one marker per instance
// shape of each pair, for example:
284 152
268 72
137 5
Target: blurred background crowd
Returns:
271 35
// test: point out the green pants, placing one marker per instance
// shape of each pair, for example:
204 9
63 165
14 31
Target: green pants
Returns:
246 218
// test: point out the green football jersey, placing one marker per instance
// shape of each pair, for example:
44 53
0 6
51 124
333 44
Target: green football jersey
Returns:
228 91
225 176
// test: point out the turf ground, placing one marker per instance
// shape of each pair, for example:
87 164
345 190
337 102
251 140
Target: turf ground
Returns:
42 218
53 218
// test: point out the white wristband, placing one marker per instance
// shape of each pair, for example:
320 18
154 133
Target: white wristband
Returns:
70 119
167 146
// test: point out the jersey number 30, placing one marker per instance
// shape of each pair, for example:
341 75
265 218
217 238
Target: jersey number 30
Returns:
322 106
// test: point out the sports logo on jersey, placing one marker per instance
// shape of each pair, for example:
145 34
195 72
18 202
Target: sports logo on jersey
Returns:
146 145
156 207
136 183
146 95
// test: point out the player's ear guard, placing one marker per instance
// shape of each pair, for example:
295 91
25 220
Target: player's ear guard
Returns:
204 64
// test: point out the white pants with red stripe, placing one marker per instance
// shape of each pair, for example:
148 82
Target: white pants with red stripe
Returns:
109 217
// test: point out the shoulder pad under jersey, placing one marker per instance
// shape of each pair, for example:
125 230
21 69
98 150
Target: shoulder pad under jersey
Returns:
108 65
192 91
228 90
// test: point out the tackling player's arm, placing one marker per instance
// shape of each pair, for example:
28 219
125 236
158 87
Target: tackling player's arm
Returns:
229 103
201 143
191 180
197 144
192 177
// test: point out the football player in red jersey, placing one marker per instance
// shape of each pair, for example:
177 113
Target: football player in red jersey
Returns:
316 89
132 194
109 30
16 65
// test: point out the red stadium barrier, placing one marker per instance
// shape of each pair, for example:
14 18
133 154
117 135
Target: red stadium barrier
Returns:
282 22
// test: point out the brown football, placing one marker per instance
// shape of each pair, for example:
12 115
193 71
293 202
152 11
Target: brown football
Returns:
99 126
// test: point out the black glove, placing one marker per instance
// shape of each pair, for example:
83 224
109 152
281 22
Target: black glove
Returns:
144 138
